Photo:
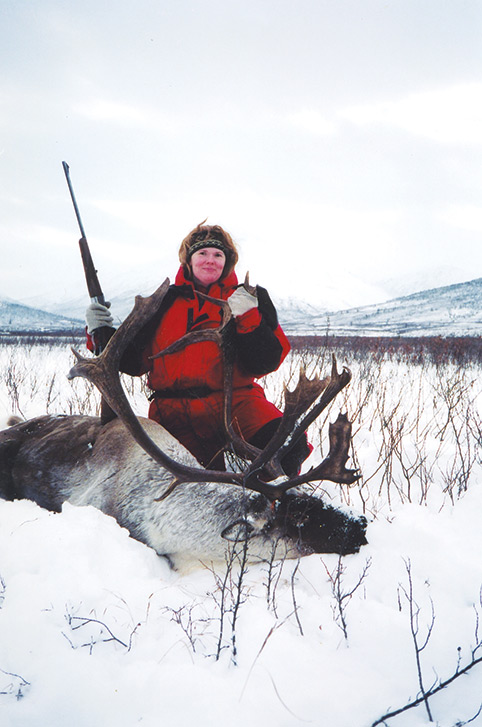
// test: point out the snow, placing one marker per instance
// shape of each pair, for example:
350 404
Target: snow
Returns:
95 629
79 563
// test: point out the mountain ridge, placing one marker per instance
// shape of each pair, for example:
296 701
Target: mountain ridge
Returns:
450 310
15 316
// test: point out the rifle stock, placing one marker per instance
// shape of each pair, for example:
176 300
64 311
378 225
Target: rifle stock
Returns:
93 285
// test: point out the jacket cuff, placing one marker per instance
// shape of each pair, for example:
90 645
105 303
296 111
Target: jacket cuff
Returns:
248 321
90 341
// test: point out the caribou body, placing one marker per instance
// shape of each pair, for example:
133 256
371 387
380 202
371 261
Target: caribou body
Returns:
77 459
132 469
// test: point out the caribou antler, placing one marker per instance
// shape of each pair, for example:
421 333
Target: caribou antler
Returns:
301 408
300 411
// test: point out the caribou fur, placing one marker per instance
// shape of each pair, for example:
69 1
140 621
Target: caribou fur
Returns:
77 459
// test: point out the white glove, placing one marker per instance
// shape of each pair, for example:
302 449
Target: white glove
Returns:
98 316
241 301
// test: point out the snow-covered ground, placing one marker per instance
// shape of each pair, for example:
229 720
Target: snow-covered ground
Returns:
95 629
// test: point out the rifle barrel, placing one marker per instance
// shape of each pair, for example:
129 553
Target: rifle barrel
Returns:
93 284
74 202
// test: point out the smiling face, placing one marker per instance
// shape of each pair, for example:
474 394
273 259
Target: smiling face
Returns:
207 266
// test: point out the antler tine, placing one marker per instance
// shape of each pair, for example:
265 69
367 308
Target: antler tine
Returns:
140 314
186 340
332 468
250 288
297 404
332 384
301 411
103 371
206 334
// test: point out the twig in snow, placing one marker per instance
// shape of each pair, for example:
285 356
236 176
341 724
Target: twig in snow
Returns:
83 621
459 671
414 610
15 688
342 597
294 597
430 693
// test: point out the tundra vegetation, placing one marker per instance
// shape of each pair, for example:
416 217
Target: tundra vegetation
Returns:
417 434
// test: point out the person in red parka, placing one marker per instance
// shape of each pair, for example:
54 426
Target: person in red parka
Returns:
187 386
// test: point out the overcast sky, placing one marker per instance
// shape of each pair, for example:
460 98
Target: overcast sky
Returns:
332 138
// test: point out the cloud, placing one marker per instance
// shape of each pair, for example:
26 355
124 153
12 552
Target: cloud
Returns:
451 115
465 217
312 121
119 114
108 111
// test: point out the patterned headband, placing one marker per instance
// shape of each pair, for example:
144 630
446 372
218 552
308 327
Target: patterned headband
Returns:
207 243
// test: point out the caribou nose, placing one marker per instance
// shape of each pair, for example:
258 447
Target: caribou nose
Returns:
354 536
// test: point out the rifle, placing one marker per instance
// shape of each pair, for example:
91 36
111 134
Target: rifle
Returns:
93 285
101 336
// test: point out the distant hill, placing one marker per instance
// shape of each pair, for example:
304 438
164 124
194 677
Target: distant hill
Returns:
437 276
17 317
452 310
338 291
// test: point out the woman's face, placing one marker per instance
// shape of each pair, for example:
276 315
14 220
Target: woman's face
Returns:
207 265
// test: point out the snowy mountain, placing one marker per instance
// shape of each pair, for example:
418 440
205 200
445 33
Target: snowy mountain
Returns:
340 290
121 303
453 310
426 279
17 317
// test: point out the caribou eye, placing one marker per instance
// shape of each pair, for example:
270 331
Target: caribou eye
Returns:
238 531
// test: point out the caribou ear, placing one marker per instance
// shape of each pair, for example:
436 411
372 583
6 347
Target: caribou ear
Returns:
238 532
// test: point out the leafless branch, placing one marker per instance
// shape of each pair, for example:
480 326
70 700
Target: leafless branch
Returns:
16 686
341 596
78 622
430 693
414 611
426 694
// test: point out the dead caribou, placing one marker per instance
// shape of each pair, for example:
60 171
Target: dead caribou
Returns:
135 471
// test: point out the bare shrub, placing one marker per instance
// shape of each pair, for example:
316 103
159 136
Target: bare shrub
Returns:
342 594
33 376
417 430
420 641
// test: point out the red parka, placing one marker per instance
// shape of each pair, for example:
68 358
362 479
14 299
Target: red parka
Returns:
188 385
